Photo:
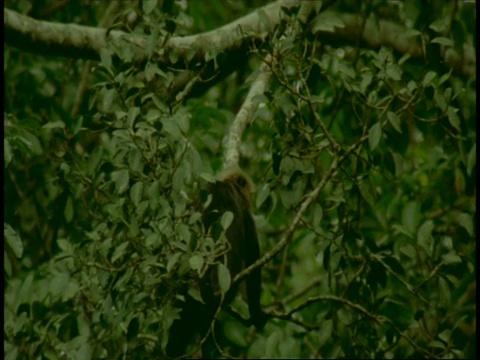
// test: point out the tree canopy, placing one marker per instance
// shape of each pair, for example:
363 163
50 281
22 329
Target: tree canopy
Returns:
355 120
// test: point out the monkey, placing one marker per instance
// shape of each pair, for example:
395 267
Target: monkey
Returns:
231 192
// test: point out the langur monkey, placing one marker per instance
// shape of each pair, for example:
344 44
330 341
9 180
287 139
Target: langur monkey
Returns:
232 192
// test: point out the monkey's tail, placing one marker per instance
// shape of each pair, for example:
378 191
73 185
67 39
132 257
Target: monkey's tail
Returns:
257 316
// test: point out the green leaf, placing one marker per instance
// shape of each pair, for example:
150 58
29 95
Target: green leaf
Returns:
425 238
65 245
325 332
409 251
224 278
119 251
172 128
25 294
132 114
411 216
149 5
367 191
394 72
7 155
196 263
226 219
445 291
399 164
367 78
327 21
13 240
182 119
346 70
262 195
7 265
471 159
195 161
68 212
172 261
183 231
58 284
412 33
272 345
445 77
121 179
465 220
181 176
76 125
404 58
153 115
292 197
135 160
394 119
317 216
439 25
136 193
453 117
153 193
447 94
54 125
412 86
208 177
196 294
374 135
442 41
440 101
451 258
107 100
170 314
429 76
289 348
93 160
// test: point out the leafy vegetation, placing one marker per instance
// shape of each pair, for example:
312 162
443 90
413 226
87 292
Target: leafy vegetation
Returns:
362 151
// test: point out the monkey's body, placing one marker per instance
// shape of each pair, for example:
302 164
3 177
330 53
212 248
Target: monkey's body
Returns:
230 193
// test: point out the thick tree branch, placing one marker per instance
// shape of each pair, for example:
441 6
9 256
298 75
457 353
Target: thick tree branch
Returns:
70 40
389 34
77 41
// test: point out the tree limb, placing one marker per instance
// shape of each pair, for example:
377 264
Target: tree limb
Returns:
78 41
389 34
69 40
245 116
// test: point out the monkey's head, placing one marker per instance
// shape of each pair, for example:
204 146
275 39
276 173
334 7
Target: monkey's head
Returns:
241 180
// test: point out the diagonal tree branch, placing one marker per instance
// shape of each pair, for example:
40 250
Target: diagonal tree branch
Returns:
245 116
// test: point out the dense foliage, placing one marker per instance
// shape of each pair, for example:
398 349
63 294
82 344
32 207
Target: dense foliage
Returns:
104 184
